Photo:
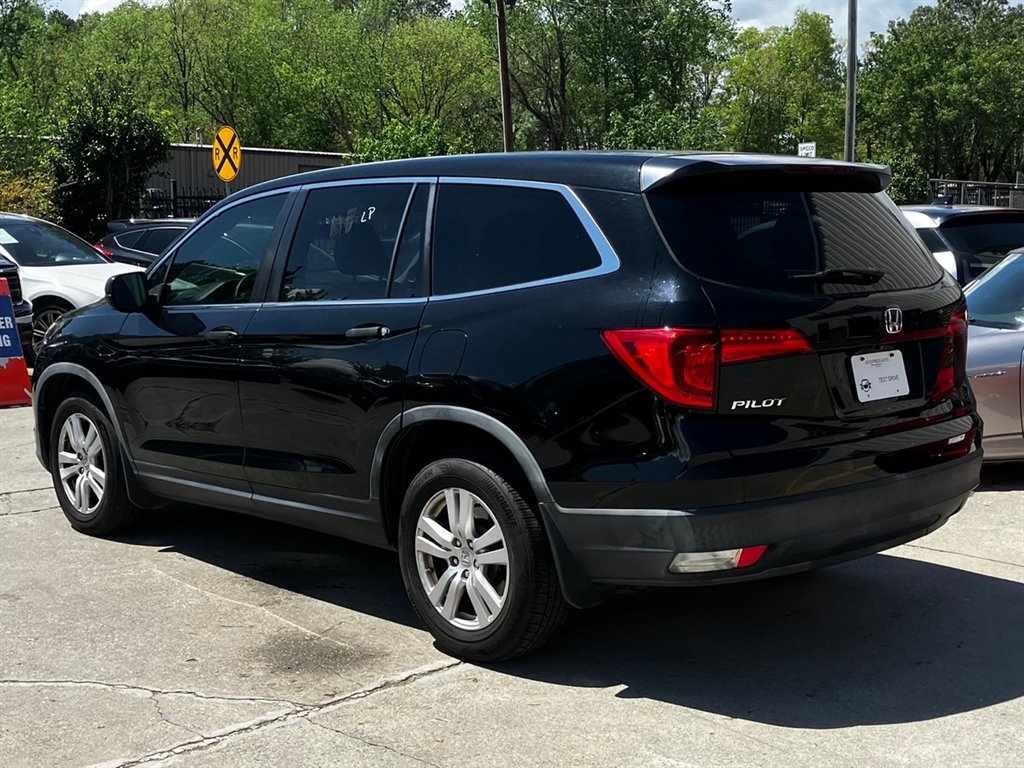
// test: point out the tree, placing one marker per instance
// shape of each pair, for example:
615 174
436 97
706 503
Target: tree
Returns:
107 143
947 85
785 85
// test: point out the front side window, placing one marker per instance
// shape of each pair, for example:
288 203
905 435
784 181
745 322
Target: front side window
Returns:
996 299
219 262
489 236
344 243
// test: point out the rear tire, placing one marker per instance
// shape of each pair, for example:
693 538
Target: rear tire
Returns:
476 563
87 471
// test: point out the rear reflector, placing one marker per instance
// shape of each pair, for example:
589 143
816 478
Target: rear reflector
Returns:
681 364
720 560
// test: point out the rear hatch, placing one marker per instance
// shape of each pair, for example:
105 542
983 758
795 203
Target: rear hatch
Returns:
838 331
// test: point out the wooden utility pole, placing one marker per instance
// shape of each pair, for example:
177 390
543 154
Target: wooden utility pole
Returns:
851 81
506 96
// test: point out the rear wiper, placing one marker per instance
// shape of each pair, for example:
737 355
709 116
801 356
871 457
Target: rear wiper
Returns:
855 276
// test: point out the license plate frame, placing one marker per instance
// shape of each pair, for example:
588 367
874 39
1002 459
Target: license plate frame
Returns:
879 376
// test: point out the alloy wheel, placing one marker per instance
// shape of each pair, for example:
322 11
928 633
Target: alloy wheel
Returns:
462 559
41 324
82 464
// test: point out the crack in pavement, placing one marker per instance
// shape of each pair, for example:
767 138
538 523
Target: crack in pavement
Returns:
14 683
274 719
26 490
260 608
154 698
375 744
964 554
28 511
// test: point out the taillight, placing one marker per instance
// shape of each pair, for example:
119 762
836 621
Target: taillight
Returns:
745 346
104 250
953 363
681 364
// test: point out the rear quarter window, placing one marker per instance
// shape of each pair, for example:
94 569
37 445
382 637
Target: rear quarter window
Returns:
761 237
491 236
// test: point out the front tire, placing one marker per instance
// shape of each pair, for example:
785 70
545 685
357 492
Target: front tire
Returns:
87 472
476 563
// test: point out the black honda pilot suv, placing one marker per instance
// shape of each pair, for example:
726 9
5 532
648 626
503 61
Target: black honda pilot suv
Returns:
539 377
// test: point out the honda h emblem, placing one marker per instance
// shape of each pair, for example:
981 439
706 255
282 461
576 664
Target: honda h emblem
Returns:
893 320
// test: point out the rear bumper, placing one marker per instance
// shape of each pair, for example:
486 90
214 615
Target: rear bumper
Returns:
635 547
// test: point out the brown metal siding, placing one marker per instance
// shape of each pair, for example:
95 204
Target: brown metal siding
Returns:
191 165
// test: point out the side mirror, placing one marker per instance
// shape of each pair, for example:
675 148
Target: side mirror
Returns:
127 292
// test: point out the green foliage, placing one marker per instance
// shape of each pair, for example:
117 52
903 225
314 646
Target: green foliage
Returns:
30 194
949 82
785 85
106 143
417 136
940 94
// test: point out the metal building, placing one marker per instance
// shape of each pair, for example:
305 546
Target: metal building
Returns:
186 185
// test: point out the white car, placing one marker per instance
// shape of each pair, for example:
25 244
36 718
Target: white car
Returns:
59 271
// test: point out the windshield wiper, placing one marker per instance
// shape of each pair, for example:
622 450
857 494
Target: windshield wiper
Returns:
854 276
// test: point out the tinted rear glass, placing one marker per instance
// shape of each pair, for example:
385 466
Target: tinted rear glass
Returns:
992 234
760 237
488 236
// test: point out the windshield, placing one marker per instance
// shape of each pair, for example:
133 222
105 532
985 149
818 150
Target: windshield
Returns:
997 298
993 234
38 244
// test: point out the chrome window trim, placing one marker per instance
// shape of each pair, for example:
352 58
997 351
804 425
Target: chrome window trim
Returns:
339 302
609 259
371 180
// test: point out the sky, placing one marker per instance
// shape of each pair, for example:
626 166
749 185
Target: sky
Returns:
873 15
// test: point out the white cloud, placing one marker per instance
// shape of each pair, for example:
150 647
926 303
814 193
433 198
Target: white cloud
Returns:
872 15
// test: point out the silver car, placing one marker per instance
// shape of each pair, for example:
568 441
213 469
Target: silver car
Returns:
995 355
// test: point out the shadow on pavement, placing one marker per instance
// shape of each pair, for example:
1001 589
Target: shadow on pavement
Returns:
333 570
1005 476
879 640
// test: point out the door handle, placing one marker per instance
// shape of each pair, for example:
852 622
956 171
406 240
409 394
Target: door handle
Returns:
223 333
367 332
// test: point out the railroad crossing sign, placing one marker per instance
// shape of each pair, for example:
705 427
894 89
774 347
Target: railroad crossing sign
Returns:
227 153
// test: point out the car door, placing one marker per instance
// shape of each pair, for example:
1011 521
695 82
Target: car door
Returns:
324 363
178 363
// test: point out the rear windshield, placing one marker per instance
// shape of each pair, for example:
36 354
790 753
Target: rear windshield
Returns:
991 234
764 237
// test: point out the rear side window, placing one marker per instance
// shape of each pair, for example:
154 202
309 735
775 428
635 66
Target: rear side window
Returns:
932 240
157 240
129 239
344 243
762 238
489 236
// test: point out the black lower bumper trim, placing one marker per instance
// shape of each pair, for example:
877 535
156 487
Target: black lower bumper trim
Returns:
630 547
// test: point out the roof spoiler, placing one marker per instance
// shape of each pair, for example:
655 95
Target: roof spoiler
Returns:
659 171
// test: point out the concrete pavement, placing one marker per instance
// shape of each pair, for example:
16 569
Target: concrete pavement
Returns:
216 640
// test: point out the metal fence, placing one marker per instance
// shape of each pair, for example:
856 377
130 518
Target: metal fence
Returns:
189 202
962 192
